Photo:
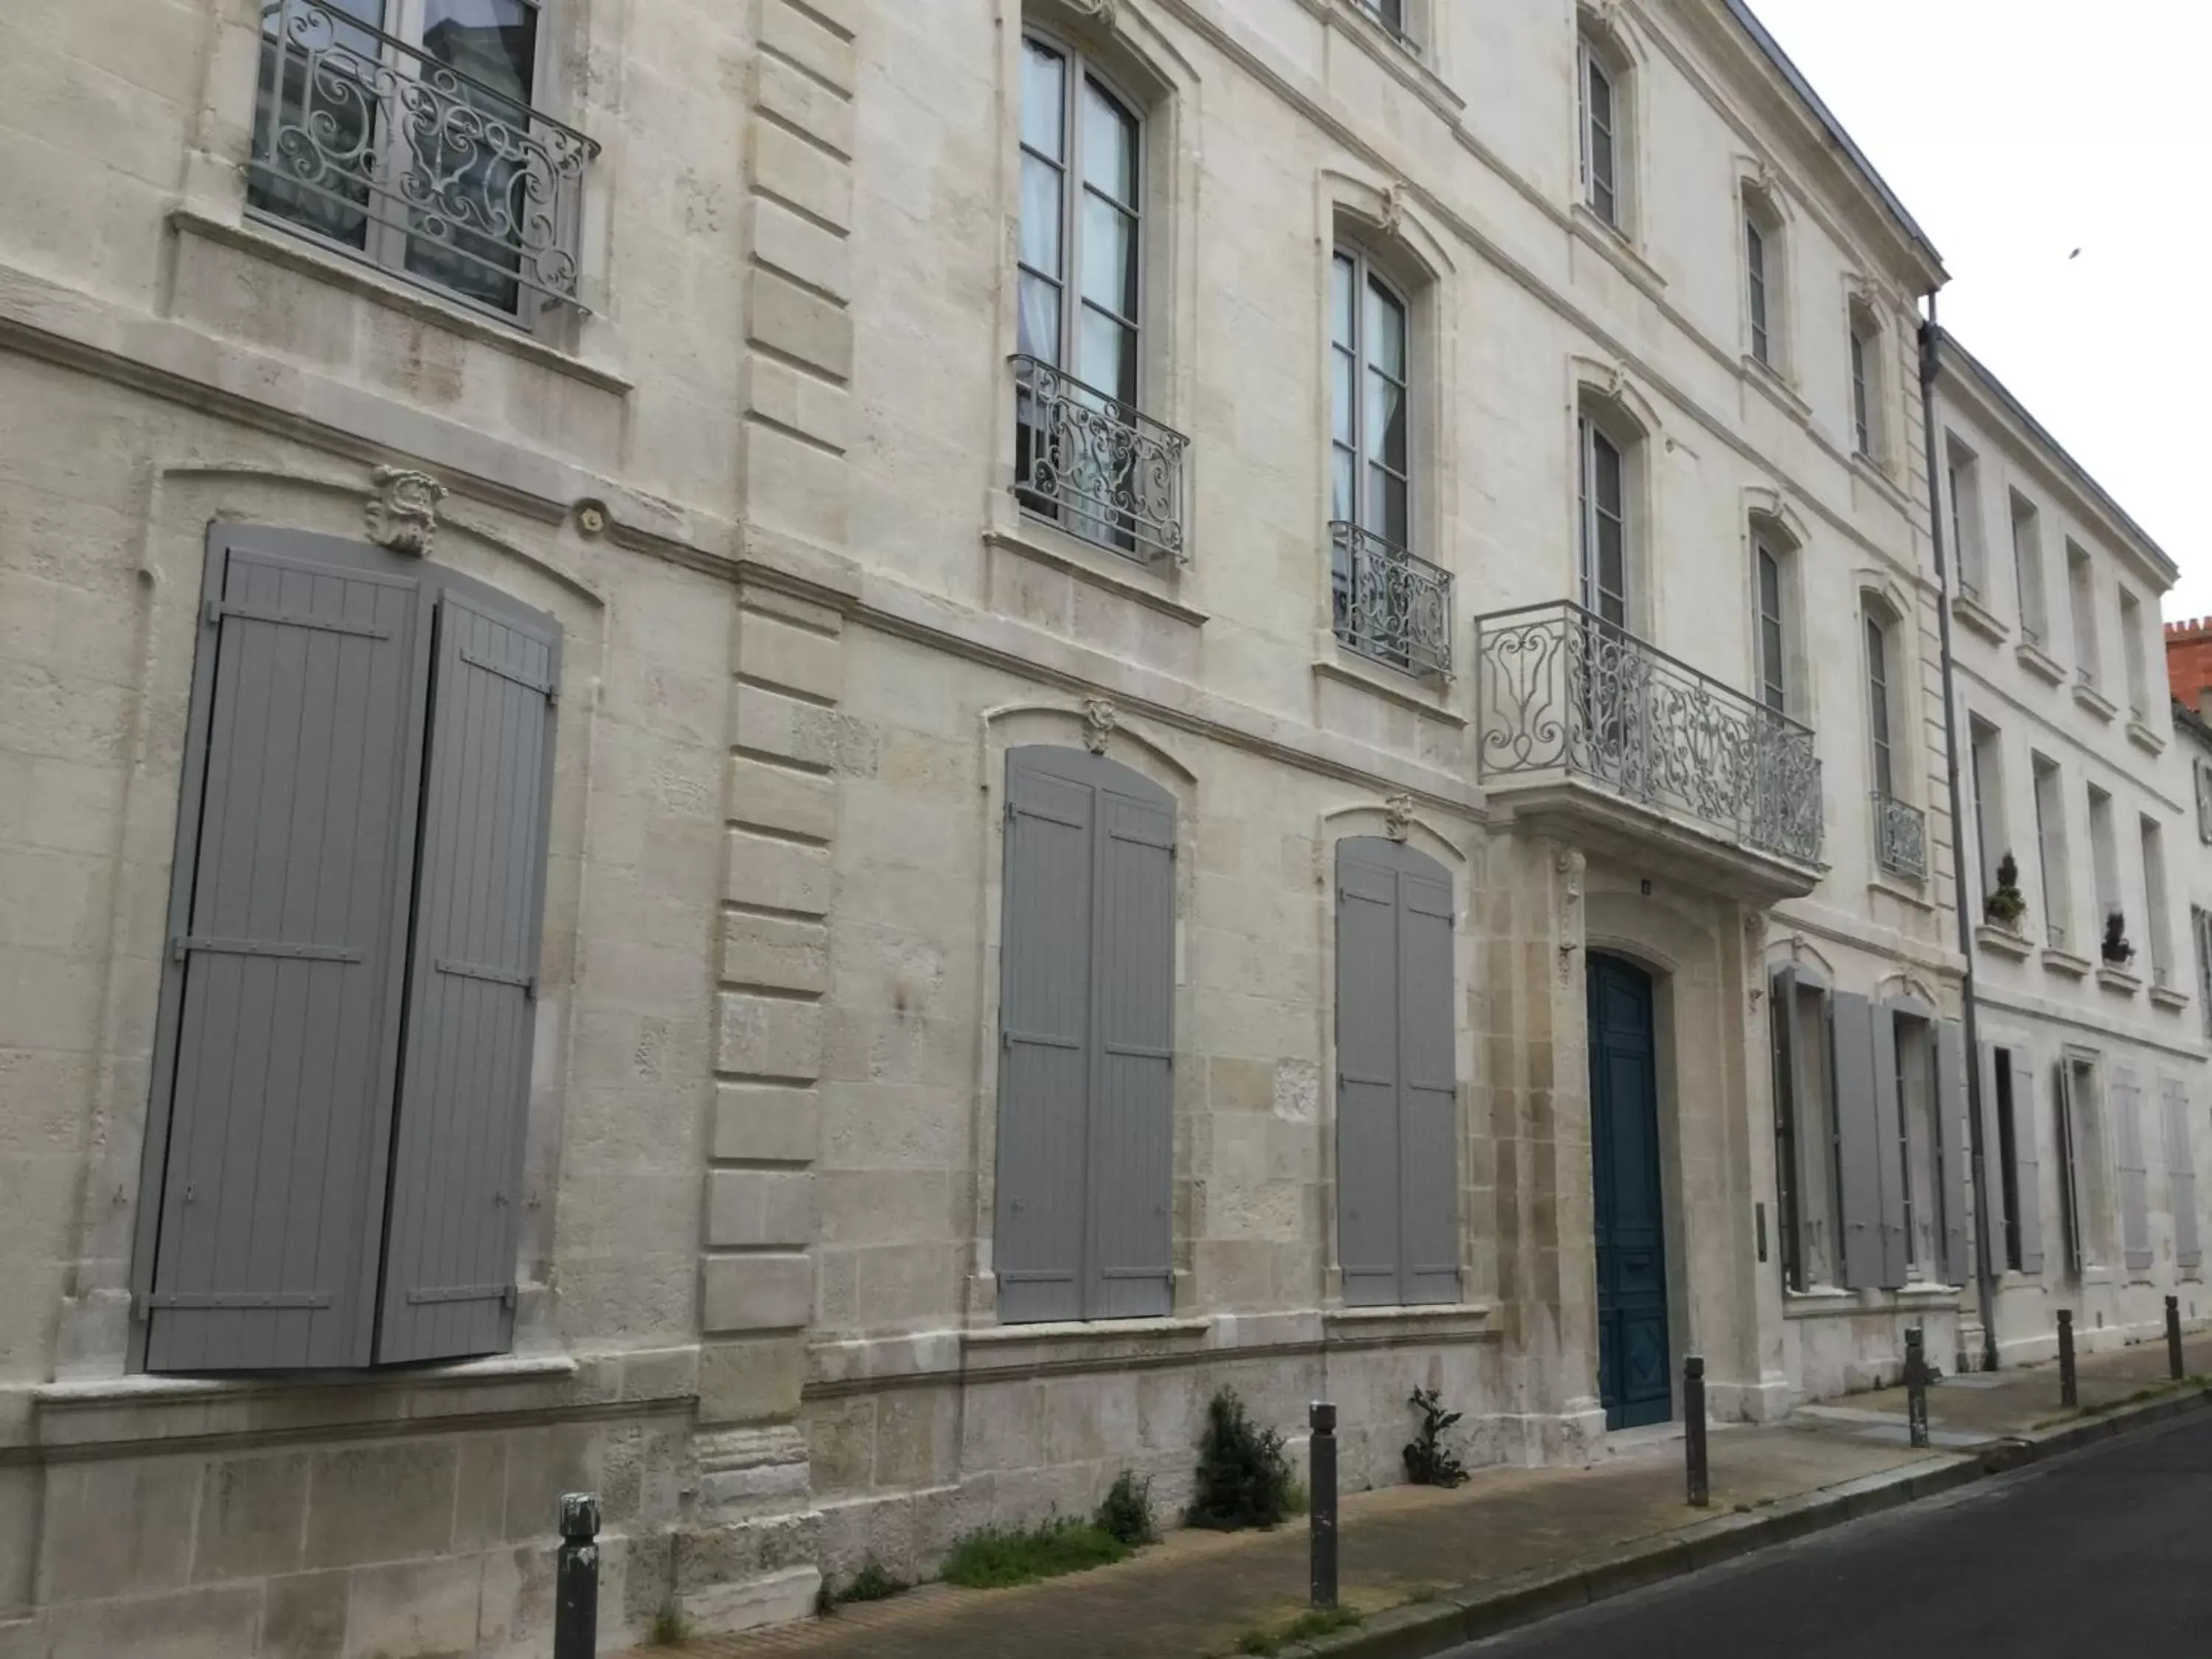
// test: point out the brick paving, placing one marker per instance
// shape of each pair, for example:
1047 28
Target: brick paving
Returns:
1196 1594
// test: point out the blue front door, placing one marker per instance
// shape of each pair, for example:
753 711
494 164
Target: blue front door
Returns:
1633 1369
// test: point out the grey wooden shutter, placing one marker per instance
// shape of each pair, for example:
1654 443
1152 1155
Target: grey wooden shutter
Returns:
1951 1147
2134 1170
1859 1171
465 1091
1368 1158
1889 1149
274 1056
1397 1089
1989 1188
1044 1039
1133 1098
2027 1161
2181 1173
2069 1176
1086 1113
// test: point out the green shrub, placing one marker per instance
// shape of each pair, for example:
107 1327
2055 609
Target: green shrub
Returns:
1125 1513
1429 1461
873 1583
995 1560
1243 1479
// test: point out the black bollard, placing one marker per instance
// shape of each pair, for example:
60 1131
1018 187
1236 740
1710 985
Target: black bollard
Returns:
1694 1428
1916 1384
1321 1511
576 1578
2070 1393
2174 1337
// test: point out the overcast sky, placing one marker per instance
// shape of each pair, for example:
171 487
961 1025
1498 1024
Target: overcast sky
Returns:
2016 132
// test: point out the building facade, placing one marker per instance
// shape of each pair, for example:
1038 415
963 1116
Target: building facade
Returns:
698 802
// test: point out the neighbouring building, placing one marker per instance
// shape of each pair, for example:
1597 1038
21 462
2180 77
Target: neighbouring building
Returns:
2085 853
797 760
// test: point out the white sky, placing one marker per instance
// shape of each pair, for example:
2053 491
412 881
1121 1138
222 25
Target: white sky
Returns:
2016 132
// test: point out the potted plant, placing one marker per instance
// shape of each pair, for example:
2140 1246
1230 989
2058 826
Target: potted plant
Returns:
2117 952
2006 904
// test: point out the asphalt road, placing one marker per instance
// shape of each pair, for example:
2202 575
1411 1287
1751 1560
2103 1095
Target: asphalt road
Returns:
2105 1553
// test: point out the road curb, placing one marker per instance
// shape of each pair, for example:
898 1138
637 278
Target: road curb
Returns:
1422 1630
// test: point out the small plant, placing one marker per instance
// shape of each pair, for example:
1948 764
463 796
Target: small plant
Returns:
997 1559
1244 1478
1429 1461
873 1583
2007 904
669 1628
2118 950
1320 1621
1125 1515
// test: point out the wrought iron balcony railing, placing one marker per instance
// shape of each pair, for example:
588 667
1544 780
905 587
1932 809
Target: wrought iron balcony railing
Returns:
1900 837
1563 691
1096 467
1390 604
387 153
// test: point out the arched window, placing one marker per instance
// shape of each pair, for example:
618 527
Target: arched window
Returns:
1603 93
1765 307
1900 828
1866 383
1770 592
1603 493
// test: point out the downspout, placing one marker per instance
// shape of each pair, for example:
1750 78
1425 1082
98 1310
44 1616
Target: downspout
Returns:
1985 1281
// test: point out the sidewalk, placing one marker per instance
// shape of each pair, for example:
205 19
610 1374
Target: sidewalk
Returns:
1509 1545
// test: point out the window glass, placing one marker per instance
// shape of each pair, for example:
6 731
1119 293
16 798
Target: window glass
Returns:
494 41
1772 688
1755 254
1604 542
1877 646
1598 140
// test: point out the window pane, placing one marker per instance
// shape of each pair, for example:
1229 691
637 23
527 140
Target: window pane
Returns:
1601 99
1110 145
1608 482
1385 421
1342 372
1038 324
1344 471
1110 256
1109 356
496 41
1342 324
1770 585
1386 506
1044 79
1386 332
1755 250
1041 215
1611 571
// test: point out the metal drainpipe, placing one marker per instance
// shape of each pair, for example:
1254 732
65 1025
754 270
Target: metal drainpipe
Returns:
1985 1283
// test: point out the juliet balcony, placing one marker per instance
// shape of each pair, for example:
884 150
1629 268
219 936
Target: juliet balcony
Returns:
1096 467
398 155
1588 731
1390 605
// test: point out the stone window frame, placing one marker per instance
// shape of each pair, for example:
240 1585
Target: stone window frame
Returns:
1604 44
1771 524
1601 397
1763 213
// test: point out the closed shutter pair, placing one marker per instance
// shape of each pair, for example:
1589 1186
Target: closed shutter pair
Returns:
342 1069
1870 1145
2026 1156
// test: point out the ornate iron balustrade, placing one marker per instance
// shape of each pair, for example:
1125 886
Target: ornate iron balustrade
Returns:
1563 691
392 155
1095 466
1900 837
1390 604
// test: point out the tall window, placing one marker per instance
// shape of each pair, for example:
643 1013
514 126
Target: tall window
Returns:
2006 1152
1773 668
2200 931
1986 750
1805 1133
1878 707
1602 146
2082 586
1865 393
2027 570
1391 14
1962 478
2131 650
2105 860
2085 1181
403 130
1604 524
2156 925
1370 482
1080 222
2051 849
1754 257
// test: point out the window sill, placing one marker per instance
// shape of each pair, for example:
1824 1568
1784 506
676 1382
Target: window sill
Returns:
1876 472
2087 696
2166 997
1970 611
1618 250
1776 384
1425 695
1001 1350
1403 57
1017 532
297 254
1366 1327
2144 738
2001 941
1836 1302
1905 889
2038 662
2059 961
2118 980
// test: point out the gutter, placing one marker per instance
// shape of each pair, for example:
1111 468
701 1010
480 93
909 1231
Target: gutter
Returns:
1931 339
